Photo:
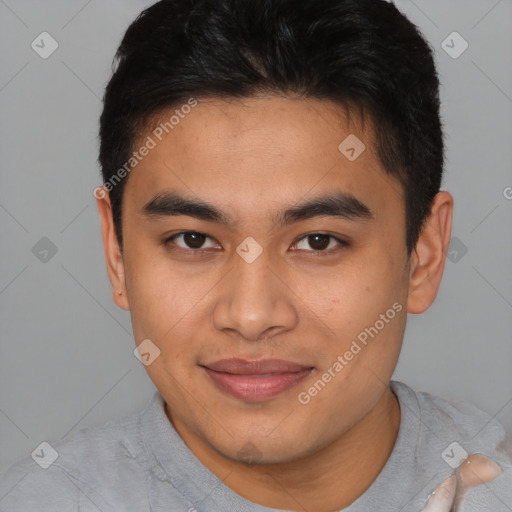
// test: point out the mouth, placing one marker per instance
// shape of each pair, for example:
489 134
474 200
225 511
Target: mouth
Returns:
255 381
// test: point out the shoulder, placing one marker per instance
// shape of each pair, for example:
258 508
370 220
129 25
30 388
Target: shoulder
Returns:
81 472
443 418
450 430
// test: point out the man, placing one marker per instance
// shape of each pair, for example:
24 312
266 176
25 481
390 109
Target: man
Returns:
271 212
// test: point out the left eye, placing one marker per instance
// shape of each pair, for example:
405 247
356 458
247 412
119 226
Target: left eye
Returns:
320 242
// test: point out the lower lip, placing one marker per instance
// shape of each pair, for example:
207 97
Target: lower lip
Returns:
255 388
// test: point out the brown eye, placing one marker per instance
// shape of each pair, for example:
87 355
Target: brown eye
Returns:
190 240
319 242
194 240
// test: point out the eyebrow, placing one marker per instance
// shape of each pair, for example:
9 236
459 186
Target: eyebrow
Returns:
341 205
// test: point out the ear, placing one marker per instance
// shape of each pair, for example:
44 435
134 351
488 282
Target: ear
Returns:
429 256
113 255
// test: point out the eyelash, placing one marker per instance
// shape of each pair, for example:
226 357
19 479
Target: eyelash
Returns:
170 240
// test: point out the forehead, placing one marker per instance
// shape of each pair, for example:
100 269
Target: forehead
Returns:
269 122
257 152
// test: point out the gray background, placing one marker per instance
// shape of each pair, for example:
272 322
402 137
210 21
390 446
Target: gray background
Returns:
67 351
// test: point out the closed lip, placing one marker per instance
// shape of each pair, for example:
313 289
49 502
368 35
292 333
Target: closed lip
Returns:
238 366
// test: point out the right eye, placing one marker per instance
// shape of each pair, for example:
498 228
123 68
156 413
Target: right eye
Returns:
191 241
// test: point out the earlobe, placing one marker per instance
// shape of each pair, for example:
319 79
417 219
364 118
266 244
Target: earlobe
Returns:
429 256
113 255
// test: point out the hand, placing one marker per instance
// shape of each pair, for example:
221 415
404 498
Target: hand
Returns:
475 470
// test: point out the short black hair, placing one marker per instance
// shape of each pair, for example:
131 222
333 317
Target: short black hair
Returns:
362 53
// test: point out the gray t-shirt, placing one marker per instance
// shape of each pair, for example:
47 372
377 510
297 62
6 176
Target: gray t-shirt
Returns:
139 463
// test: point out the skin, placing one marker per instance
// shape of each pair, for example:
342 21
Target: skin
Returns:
476 470
251 159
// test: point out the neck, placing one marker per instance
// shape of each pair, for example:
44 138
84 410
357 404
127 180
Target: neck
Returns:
328 480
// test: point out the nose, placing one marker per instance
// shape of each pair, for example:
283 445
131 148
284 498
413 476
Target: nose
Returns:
254 301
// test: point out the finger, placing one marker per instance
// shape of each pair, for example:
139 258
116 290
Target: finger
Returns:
442 498
478 469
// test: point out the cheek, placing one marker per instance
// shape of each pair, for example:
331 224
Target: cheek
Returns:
353 295
164 308
363 306
161 299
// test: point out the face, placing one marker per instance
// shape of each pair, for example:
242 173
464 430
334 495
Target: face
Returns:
251 234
